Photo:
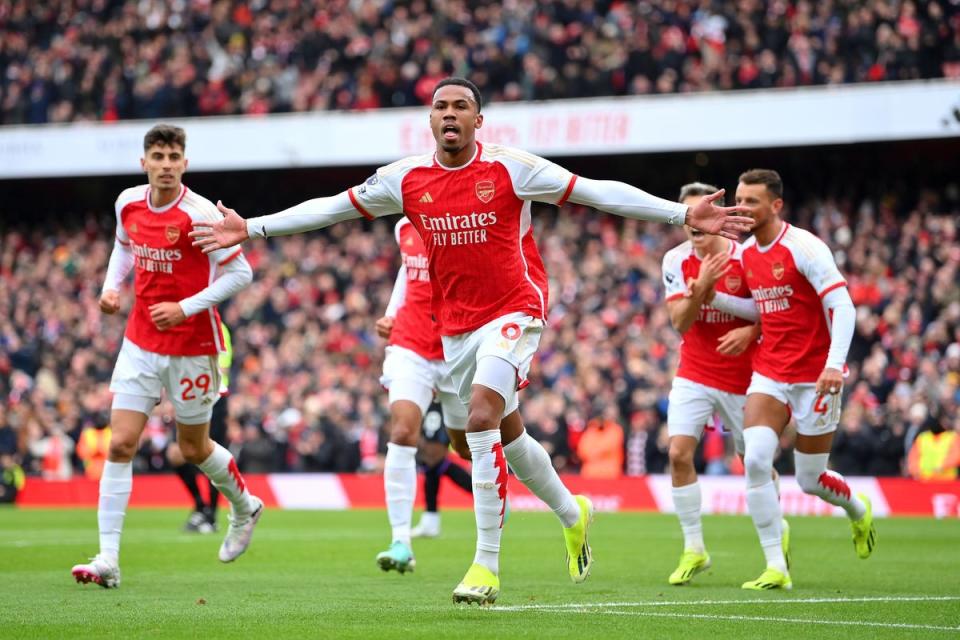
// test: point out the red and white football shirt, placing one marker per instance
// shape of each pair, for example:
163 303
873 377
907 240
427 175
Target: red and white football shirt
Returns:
168 268
414 327
699 359
788 280
475 224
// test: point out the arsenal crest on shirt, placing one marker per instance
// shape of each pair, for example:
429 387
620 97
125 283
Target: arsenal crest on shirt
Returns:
172 233
485 190
732 283
777 270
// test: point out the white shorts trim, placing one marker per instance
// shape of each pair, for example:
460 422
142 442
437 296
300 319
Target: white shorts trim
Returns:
513 338
409 376
192 383
692 406
127 402
815 415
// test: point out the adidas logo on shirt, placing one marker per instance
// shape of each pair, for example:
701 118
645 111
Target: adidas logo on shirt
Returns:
426 197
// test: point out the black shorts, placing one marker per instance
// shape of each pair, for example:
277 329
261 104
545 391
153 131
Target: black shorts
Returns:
434 429
218 422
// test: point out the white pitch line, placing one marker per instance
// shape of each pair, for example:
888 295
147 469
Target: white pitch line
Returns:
677 603
845 623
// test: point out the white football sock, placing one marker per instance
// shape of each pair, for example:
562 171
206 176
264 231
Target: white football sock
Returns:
532 466
221 469
400 487
430 520
814 478
115 486
686 502
760 444
489 494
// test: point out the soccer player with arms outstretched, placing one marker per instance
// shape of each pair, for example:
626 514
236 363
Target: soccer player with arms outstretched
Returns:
171 343
807 321
470 203
413 371
714 368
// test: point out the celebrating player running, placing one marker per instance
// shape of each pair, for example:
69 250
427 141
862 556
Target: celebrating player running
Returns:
471 205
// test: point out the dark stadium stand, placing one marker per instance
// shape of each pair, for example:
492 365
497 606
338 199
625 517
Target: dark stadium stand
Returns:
123 59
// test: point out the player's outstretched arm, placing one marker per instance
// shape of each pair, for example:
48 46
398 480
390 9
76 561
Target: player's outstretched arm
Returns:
306 216
625 200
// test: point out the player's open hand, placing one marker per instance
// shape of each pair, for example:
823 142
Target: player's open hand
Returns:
384 327
230 231
166 315
830 381
736 341
711 269
110 301
710 218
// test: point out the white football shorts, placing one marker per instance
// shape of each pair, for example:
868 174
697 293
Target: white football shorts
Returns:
192 383
409 376
692 405
512 338
815 414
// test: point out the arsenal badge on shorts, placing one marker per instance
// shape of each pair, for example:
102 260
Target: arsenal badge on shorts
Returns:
778 270
485 190
172 233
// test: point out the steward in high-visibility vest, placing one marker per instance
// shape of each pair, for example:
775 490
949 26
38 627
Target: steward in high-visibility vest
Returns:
935 456
93 447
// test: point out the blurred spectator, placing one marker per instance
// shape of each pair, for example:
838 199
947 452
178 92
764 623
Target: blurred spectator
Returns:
93 447
12 478
601 447
121 59
935 454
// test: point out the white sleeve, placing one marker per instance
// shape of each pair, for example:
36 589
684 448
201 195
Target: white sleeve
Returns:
816 262
306 216
624 200
233 276
839 307
399 294
533 177
674 285
121 262
744 308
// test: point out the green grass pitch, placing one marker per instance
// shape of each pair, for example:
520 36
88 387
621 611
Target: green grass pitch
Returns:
312 574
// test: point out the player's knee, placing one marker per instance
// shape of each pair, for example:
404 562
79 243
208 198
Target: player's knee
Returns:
483 417
404 433
681 457
122 450
193 452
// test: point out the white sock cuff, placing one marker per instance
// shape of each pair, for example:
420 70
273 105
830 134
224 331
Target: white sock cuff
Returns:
687 491
810 463
518 446
117 470
220 458
400 456
483 440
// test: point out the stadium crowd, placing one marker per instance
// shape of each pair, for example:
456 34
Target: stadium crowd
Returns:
305 394
106 60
